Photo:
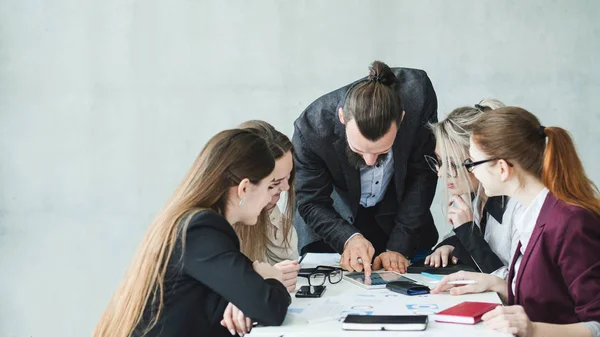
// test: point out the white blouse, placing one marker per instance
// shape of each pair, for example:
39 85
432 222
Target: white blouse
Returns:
502 237
276 252
525 225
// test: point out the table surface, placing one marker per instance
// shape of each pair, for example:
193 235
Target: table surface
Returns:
323 316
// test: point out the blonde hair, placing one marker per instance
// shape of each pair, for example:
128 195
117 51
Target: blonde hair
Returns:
452 136
254 240
488 104
227 159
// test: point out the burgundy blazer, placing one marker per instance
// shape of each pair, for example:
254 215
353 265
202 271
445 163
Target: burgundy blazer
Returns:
559 277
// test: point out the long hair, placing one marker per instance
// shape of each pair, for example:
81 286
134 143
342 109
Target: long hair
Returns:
227 159
515 134
452 136
254 240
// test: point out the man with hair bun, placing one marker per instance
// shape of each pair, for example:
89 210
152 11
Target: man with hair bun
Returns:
364 189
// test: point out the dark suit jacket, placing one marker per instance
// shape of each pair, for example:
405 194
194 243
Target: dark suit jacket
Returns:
559 276
212 273
469 243
328 187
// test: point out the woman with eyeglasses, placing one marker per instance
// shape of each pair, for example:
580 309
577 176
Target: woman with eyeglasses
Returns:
553 288
482 235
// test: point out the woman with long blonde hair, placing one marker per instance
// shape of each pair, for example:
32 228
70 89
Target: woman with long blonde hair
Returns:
189 266
274 240
483 231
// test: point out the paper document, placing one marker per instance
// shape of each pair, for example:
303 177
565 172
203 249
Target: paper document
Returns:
311 260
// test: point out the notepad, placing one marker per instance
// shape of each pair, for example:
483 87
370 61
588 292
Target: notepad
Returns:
465 312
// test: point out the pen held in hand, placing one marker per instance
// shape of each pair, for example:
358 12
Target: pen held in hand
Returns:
458 282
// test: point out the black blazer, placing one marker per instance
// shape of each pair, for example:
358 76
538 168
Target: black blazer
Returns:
469 244
322 169
211 273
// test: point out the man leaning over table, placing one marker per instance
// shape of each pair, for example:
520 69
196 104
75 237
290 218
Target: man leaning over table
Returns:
363 187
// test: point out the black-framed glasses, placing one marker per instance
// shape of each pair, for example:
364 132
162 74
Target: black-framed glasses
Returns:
319 275
470 165
435 166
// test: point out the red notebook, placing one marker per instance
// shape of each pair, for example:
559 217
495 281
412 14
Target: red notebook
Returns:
465 313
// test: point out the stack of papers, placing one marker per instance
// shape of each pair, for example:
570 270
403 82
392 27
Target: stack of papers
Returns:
312 260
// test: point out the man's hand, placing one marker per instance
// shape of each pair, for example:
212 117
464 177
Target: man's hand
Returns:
358 248
391 261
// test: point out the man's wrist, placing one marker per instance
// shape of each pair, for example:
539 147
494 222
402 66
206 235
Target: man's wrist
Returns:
351 236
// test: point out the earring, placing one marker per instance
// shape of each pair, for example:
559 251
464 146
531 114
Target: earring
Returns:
243 201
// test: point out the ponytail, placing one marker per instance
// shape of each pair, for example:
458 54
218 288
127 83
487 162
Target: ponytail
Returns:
563 173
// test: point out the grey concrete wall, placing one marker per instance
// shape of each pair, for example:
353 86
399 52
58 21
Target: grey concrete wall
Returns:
104 105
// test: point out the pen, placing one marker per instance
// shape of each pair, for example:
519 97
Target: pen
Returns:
458 282
435 277
302 258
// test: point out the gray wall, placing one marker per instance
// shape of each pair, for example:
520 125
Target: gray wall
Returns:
105 104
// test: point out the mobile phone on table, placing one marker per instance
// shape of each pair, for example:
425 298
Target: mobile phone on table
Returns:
310 292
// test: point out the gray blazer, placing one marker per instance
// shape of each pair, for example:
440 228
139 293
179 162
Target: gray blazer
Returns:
328 187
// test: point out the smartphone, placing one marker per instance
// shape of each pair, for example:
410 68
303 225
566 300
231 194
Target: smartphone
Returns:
310 292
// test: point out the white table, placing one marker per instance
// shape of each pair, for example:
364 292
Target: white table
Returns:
322 316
